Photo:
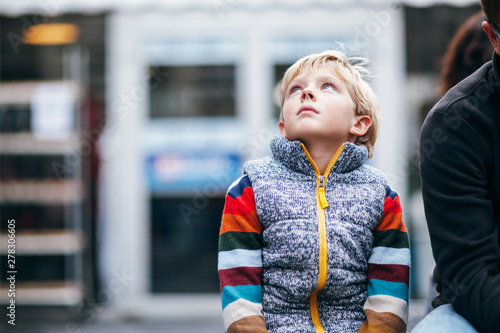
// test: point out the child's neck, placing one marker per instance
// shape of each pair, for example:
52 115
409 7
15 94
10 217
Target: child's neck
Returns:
322 154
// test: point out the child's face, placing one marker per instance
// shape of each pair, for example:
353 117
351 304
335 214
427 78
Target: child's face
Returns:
318 106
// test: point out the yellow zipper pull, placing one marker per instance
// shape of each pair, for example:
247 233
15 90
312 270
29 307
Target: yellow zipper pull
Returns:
321 192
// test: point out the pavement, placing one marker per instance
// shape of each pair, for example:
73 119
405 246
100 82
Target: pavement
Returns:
55 320
120 327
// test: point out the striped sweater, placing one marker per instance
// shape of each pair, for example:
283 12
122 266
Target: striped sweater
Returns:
298 253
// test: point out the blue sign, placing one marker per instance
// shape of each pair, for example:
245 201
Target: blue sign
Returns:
176 172
187 155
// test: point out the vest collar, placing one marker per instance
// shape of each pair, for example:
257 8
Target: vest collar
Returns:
291 154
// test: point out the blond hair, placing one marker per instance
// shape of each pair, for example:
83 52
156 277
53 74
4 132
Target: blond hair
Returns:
353 71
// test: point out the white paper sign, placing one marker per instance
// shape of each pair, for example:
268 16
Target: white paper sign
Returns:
52 110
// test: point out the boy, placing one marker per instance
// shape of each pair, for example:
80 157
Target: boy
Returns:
312 239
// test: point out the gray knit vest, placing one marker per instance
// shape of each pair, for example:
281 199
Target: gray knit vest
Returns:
284 185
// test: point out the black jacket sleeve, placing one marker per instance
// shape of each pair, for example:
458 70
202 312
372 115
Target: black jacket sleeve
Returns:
455 160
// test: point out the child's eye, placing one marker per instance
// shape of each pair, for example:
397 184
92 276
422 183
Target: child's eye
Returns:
295 89
329 86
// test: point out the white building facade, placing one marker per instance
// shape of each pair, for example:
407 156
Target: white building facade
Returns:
252 44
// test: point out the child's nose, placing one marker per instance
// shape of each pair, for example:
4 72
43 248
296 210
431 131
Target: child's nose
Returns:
307 94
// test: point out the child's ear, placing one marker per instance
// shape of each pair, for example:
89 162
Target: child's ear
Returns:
361 126
281 126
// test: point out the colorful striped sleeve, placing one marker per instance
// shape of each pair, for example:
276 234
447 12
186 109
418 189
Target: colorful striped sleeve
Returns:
386 307
240 261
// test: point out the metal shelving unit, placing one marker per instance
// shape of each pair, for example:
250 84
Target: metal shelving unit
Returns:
42 187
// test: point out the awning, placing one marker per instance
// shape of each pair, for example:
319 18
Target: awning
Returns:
58 7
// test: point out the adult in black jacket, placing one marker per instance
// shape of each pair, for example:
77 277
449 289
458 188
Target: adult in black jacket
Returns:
460 170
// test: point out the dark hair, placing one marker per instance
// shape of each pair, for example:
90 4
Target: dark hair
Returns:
491 9
468 50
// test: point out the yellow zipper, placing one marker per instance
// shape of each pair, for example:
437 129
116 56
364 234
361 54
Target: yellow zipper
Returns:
321 204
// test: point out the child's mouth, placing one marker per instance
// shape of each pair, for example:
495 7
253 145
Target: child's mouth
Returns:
307 108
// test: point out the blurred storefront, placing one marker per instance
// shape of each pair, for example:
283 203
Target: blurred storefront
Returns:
46 162
188 89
